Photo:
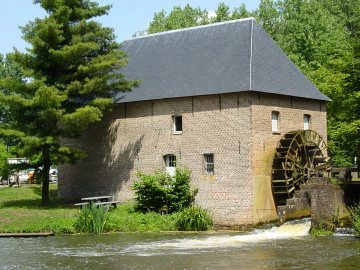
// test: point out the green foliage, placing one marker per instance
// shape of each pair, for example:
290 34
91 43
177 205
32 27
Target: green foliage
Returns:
188 16
178 18
92 219
321 230
161 192
194 218
70 82
4 166
21 211
355 218
125 219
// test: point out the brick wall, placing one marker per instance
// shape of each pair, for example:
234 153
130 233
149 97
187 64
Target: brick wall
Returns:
264 141
136 136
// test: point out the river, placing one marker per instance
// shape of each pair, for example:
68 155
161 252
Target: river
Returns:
285 247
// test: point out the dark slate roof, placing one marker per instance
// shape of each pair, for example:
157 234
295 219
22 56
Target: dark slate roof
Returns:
226 57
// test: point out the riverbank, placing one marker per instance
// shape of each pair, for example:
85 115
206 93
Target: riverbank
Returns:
21 212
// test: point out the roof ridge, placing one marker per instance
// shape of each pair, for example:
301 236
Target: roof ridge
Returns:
251 54
192 28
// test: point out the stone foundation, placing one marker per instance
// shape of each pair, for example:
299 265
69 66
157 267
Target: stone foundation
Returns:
327 201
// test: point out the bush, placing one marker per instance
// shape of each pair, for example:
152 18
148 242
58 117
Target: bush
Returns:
162 192
322 229
91 219
355 218
194 219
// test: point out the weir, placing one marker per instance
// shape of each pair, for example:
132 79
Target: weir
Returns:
295 228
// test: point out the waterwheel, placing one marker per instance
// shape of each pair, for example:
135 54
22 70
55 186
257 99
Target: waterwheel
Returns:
299 156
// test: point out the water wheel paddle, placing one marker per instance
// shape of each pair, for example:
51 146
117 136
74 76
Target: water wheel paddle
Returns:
299 156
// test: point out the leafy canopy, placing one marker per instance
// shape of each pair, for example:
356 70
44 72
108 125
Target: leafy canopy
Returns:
72 70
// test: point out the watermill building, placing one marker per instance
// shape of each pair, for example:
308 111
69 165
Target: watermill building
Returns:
218 99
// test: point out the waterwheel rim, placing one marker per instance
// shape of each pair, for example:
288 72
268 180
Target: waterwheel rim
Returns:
299 155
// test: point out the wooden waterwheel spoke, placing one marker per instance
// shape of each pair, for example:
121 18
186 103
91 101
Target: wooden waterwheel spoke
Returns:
302 152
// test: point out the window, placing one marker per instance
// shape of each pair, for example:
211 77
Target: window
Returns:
275 121
209 163
170 163
177 121
307 120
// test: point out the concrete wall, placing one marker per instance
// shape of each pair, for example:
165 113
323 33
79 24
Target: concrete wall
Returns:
236 128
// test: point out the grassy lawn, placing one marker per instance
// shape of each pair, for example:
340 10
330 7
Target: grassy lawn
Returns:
21 211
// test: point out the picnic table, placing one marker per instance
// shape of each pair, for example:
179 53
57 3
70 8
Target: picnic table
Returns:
98 199
107 200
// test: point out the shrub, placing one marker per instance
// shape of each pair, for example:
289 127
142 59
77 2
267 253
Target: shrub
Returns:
194 219
355 218
322 229
162 192
91 219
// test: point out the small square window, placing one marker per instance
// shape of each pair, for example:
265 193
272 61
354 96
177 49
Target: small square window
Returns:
209 164
177 122
170 160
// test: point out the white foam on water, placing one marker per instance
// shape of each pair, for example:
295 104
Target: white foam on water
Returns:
188 245
288 230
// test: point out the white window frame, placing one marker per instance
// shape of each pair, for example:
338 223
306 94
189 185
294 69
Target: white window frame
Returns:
209 167
177 128
170 164
307 121
275 122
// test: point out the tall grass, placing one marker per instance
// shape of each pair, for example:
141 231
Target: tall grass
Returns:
92 219
355 218
194 218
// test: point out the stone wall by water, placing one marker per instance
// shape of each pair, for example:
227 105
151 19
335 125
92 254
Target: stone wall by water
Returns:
327 201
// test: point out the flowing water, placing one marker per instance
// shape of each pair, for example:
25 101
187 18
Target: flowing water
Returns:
286 247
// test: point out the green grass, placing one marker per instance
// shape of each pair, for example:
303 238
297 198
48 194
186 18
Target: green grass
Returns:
125 219
21 211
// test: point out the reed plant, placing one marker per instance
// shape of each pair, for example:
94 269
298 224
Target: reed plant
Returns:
92 219
194 218
355 218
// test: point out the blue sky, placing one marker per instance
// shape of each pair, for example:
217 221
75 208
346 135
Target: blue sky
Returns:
126 17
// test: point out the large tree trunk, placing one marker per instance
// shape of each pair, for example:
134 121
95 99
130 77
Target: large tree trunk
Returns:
45 174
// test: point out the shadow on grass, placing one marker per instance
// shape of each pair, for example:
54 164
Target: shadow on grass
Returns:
35 203
52 192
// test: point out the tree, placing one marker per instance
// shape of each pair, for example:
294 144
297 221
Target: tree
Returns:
345 127
222 13
8 69
178 18
188 16
73 69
